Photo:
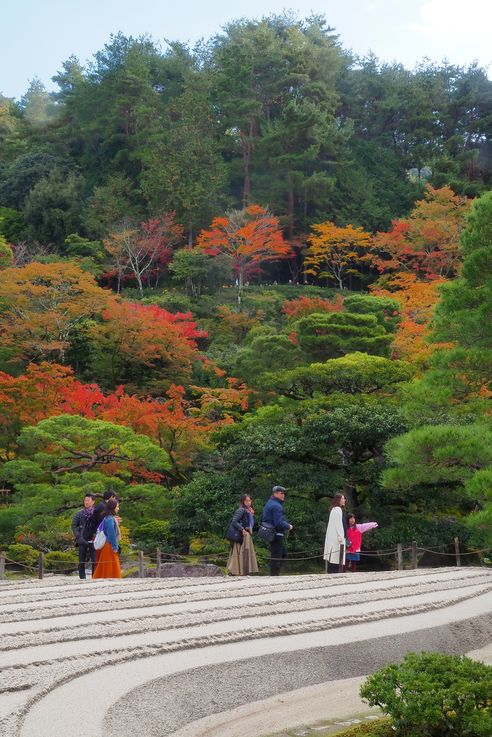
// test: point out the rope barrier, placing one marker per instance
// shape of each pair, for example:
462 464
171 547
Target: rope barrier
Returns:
69 567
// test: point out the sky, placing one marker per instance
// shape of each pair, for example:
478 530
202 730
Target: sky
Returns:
37 36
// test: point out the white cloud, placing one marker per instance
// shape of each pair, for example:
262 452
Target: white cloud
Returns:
455 30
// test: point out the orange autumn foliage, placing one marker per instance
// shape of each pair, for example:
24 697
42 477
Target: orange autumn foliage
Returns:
417 301
42 305
302 306
147 336
334 253
428 241
247 238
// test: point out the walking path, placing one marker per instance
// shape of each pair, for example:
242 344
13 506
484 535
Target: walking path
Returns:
194 657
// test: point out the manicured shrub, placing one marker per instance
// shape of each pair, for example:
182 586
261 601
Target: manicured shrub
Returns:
434 695
61 562
22 554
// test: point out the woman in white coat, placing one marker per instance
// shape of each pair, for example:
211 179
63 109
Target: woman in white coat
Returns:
335 535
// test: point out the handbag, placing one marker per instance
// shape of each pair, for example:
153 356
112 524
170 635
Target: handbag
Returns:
267 532
233 534
100 538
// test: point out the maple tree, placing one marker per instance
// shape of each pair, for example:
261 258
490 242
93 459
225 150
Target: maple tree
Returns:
417 300
144 347
42 305
143 250
428 241
336 252
178 423
248 238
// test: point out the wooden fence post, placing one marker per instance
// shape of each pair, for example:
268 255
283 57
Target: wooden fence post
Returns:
141 566
2 566
414 554
457 551
41 565
399 556
158 562
340 559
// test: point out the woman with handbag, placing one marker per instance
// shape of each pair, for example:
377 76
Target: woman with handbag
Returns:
108 562
242 558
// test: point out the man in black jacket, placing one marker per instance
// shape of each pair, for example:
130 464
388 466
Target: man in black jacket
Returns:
80 524
274 516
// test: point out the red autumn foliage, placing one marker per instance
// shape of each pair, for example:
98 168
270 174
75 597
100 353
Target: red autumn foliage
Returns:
147 337
248 238
296 308
178 424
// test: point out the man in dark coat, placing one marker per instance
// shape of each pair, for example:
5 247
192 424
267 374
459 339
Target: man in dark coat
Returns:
273 515
80 524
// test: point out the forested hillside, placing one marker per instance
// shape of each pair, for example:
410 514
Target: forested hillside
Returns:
257 261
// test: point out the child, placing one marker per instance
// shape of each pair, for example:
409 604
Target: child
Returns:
354 535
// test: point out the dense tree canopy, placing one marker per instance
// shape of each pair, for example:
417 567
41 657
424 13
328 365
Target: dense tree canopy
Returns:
135 198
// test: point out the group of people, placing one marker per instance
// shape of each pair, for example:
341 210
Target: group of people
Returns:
105 562
343 535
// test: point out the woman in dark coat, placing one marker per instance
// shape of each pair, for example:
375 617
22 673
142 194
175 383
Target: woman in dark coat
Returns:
242 558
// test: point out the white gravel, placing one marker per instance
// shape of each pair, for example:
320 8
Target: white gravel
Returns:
175 657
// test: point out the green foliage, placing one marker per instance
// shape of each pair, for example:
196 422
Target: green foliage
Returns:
12 224
323 335
25 555
428 526
479 491
61 562
205 504
264 353
386 310
355 373
61 459
76 245
379 728
153 534
432 694
53 207
70 443
437 455
6 254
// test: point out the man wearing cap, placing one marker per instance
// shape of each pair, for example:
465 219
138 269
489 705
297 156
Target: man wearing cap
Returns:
273 514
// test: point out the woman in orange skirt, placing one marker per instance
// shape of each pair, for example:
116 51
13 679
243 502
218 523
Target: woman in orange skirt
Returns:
108 562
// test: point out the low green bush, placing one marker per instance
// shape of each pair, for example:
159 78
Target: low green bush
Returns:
153 534
61 562
22 554
434 695
379 728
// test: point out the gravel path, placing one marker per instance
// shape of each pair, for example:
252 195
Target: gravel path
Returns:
154 656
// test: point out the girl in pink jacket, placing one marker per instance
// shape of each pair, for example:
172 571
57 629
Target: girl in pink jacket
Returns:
354 536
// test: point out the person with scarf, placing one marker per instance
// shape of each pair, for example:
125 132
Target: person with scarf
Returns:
80 524
242 557
108 562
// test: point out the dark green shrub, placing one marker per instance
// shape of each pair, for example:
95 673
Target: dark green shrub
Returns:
434 695
61 562
153 534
